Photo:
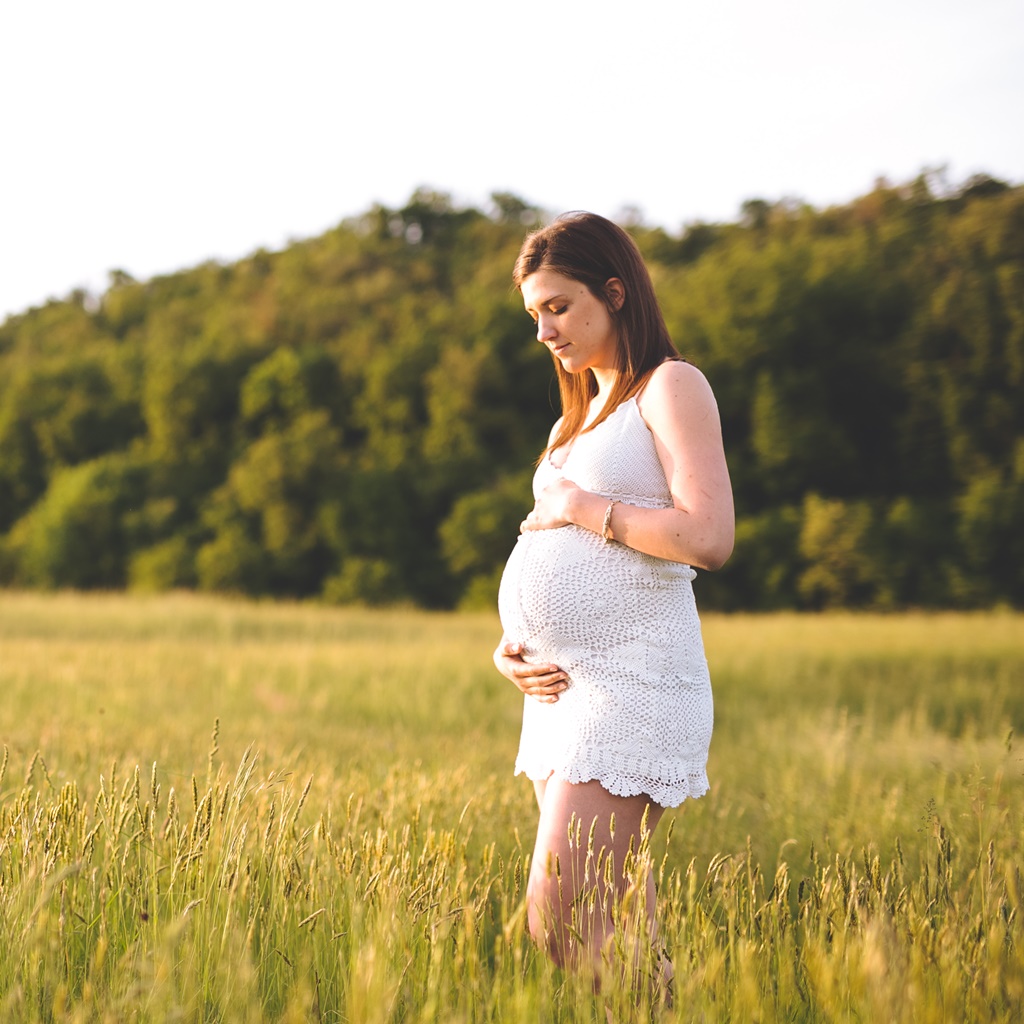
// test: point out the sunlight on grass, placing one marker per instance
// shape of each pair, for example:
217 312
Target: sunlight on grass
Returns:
215 810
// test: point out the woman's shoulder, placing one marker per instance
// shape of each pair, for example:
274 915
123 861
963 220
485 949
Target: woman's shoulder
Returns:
553 433
674 384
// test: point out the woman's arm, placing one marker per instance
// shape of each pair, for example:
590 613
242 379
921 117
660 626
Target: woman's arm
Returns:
680 409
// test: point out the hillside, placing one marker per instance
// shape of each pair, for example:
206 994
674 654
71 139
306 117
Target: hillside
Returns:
356 416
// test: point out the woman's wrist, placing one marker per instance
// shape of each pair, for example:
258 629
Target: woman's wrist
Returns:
587 509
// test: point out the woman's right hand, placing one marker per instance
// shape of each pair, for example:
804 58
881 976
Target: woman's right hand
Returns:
542 682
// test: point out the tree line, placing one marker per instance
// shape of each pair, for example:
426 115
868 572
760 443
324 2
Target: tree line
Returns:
356 417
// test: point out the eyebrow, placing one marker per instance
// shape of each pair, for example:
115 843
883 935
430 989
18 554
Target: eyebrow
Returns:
548 301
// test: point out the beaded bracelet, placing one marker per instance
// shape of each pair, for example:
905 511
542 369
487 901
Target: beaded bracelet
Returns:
606 526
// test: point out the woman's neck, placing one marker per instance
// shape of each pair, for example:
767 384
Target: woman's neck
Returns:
605 382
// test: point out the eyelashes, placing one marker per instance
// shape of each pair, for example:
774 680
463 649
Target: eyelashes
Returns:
557 312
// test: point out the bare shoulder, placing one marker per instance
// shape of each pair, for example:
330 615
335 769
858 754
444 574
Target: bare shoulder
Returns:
677 390
554 431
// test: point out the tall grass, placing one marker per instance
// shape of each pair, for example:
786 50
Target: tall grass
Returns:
217 811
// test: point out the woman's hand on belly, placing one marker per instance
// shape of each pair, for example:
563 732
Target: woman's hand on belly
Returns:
564 503
542 682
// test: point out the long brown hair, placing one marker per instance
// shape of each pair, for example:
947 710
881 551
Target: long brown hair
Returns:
590 249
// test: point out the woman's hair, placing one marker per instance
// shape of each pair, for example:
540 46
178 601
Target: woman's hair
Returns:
590 249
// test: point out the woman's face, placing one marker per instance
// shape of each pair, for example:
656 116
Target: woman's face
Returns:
572 322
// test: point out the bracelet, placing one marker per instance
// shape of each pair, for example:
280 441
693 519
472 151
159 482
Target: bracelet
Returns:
606 526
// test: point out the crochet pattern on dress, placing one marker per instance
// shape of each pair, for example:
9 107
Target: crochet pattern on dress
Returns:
638 712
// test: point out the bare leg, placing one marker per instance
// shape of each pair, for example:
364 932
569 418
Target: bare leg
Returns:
574 894
539 787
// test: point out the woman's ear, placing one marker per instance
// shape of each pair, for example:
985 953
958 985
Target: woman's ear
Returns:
614 293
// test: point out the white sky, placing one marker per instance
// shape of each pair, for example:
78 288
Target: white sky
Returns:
151 137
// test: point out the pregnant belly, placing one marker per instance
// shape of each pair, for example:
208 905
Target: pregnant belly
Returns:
566 589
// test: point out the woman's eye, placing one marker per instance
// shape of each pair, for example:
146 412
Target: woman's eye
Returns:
553 310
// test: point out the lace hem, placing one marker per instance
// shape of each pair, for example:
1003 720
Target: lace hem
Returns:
636 500
667 785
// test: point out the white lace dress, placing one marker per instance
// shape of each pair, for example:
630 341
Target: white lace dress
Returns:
637 714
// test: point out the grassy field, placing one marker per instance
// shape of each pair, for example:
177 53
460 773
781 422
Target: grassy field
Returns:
221 811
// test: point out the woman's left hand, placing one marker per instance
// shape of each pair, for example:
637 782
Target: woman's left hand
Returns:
552 507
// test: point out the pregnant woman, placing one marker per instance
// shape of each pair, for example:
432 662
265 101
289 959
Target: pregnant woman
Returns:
600 627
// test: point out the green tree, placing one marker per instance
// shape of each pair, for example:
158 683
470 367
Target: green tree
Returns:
58 412
271 504
835 543
81 533
480 532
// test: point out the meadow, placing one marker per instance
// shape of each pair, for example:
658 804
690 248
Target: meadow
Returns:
216 810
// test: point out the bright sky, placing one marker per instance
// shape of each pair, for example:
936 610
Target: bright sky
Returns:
151 137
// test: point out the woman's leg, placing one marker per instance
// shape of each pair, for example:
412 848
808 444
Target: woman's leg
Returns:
539 787
573 892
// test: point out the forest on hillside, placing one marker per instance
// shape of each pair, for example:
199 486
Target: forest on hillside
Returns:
356 417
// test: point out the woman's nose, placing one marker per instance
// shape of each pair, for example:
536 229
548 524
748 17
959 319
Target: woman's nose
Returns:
545 329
